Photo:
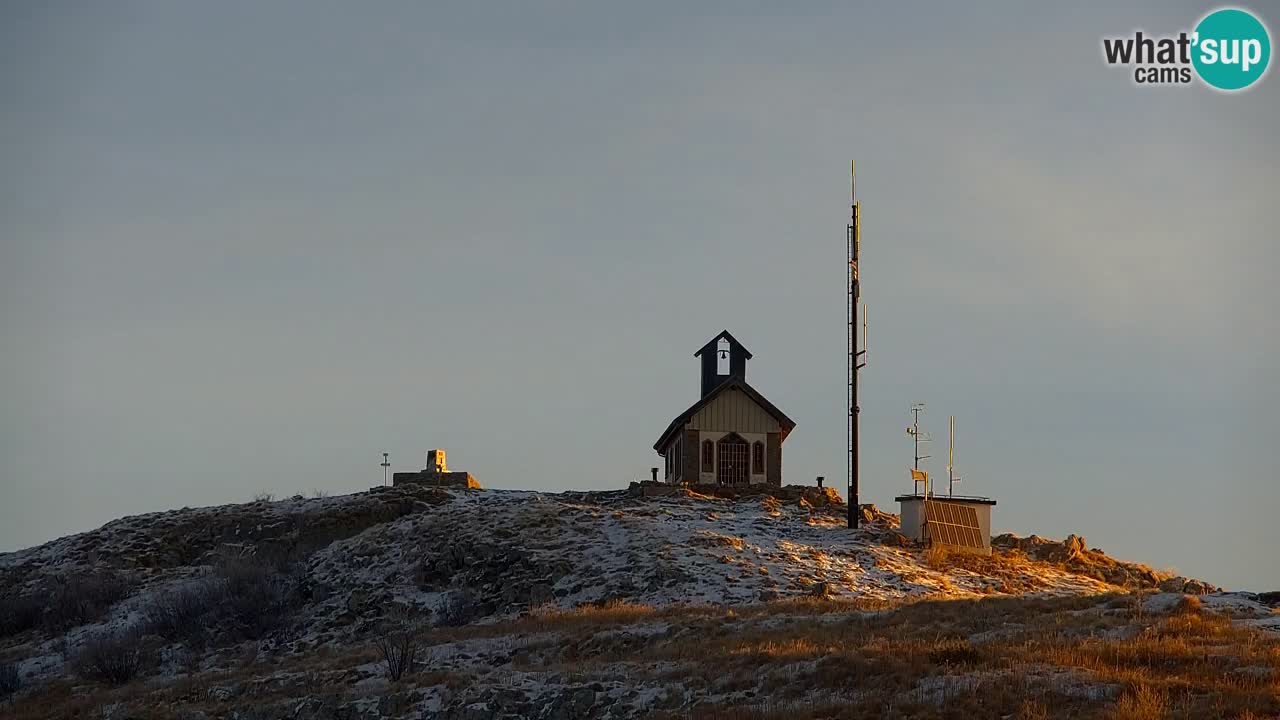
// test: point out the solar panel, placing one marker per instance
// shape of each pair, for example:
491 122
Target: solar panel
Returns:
952 524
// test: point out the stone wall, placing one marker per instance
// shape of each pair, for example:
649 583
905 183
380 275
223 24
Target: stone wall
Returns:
788 494
457 479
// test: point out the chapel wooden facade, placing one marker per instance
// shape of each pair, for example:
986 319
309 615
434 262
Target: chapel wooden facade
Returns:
732 435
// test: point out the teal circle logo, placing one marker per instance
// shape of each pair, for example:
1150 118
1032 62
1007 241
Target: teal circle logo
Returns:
1232 49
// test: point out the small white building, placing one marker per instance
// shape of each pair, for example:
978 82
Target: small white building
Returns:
911 511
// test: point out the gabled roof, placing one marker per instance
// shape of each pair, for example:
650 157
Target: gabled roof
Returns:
733 342
734 382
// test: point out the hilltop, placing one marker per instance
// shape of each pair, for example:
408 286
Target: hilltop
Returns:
414 602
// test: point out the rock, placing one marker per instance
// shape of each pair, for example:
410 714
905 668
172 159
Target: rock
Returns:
1173 585
580 701
1198 587
822 589
540 594
372 686
477 711
897 539
222 694
1071 550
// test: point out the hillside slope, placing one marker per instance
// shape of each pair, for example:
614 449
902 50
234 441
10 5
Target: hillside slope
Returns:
294 608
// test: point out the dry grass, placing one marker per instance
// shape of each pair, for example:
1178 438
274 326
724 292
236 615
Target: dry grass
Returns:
1033 658
938 557
1142 703
588 616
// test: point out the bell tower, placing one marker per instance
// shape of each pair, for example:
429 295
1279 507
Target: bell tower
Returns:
722 357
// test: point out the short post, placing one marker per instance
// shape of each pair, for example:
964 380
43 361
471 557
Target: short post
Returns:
820 479
385 464
654 473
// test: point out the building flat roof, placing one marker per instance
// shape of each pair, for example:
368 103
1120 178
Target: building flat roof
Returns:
971 499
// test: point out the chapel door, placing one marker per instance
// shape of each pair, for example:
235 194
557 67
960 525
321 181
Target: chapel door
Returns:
732 468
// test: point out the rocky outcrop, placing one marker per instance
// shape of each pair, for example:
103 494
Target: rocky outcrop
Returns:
1075 555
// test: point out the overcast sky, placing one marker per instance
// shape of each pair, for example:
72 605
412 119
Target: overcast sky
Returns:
247 247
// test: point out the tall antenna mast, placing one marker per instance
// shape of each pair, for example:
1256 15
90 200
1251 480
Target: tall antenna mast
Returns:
854 238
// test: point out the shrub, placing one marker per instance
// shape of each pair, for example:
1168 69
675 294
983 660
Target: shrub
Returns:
113 657
246 598
399 648
82 598
10 681
19 613
263 497
257 595
458 608
1141 703
176 613
954 652
1188 605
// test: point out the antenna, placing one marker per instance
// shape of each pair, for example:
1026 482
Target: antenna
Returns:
865 337
918 436
952 478
854 237
951 458
386 463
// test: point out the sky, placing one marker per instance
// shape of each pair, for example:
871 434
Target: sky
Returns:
249 247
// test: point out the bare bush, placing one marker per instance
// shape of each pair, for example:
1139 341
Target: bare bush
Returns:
82 598
19 613
246 598
258 595
113 657
176 613
458 608
10 680
399 649
955 652
264 497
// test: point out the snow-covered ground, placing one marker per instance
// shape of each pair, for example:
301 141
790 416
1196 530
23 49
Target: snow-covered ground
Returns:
363 558
656 551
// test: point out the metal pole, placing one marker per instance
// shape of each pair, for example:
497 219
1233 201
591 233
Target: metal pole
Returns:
854 241
385 464
915 436
914 432
951 458
915 445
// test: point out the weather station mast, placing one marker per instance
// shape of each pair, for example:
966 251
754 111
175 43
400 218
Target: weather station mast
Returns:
856 362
